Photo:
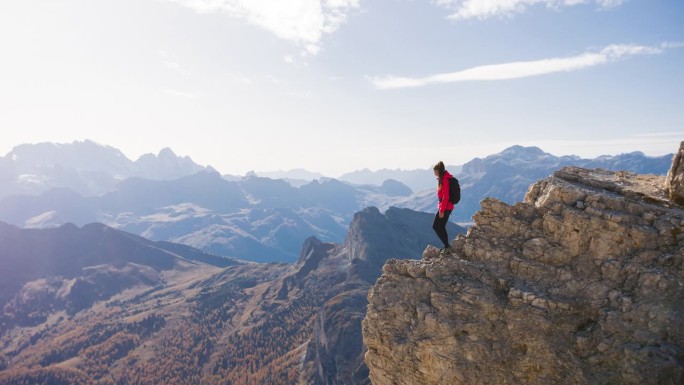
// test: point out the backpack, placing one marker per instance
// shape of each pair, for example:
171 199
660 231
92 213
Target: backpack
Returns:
454 190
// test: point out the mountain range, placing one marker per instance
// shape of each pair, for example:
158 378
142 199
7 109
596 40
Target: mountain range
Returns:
96 305
255 218
115 302
508 174
86 167
169 198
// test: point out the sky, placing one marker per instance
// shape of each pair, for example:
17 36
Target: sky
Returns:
333 86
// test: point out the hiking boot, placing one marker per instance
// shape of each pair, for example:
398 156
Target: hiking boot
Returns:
446 250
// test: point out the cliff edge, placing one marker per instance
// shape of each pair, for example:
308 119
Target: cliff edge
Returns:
581 283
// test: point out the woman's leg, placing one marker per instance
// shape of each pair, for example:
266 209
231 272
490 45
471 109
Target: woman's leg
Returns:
439 225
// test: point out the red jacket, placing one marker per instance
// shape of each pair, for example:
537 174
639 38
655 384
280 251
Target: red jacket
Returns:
443 194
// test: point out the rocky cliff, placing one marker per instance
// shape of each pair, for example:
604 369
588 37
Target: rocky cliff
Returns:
335 352
581 283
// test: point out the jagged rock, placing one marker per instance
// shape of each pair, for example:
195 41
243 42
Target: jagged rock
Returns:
581 283
335 353
675 177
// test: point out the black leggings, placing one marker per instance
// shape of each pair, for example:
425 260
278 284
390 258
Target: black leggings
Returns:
439 225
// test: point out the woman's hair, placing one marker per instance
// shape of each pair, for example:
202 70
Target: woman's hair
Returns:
439 167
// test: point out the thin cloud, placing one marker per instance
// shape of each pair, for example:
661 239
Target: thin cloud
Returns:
240 78
672 44
182 94
175 66
274 79
478 9
303 22
523 69
170 63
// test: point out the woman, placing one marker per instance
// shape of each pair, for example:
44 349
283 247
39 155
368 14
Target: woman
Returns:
444 206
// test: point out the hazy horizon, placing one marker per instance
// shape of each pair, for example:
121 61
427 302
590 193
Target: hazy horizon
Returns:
313 171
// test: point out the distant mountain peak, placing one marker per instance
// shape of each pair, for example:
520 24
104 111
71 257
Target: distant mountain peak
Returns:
313 251
523 152
167 152
295 174
65 154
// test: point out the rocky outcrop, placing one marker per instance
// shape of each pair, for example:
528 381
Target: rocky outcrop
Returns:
581 283
335 352
675 177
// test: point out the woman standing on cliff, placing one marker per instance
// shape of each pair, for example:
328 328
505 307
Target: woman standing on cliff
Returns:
444 206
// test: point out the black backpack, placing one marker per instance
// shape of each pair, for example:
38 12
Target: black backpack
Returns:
454 190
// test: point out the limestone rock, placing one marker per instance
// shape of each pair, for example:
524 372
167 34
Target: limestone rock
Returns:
581 283
675 177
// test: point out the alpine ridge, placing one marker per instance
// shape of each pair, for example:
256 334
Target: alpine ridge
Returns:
85 167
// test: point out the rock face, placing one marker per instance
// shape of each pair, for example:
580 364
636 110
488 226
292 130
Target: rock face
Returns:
675 177
582 283
334 355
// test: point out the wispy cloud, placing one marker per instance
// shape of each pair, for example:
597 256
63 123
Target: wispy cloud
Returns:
172 64
175 66
469 9
240 78
182 94
523 69
303 22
